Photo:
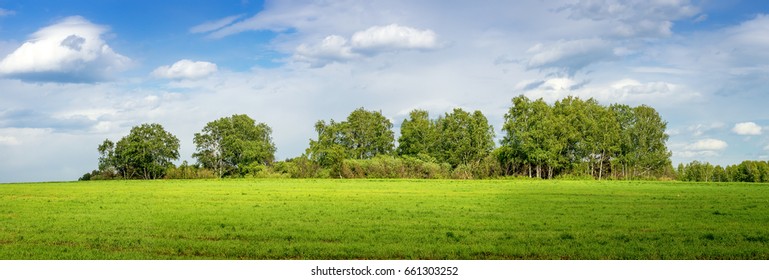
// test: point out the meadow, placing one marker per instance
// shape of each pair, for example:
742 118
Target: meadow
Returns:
383 219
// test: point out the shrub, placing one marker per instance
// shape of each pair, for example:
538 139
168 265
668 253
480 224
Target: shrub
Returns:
462 171
186 171
300 167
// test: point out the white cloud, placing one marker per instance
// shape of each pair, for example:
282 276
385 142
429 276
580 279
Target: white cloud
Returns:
636 17
569 56
627 91
700 129
748 40
185 69
661 70
71 50
8 140
17 136
747 128
701 148
214 25
707 145
766 148
369 42
332 48
394 37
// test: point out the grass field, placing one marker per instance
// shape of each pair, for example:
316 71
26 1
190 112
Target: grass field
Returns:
383 219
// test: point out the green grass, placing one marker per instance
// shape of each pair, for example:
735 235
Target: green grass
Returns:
383 219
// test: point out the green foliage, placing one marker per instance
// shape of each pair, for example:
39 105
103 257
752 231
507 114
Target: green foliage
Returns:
394 167
457 138
572 137
418 134
145 153
364 135
186 171
301 167
368 134
582 137
462 138
229 145
746 171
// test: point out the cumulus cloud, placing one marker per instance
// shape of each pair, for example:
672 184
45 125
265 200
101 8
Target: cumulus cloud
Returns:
70 51
394 37
185 69
332 48
747 128
369 42
702 148
707 145
636 17
569 56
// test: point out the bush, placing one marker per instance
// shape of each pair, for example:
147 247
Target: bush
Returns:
425 167
462 171
186 171
378 167
394 167
257 170
301 167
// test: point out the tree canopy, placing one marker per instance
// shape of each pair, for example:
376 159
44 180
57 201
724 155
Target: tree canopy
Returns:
582 137
363 135
570 137
230 144
455 138
145 153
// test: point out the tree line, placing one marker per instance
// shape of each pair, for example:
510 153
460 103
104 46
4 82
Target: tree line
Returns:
746 171
571 138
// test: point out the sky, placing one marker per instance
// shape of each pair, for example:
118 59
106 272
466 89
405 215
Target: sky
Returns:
74 73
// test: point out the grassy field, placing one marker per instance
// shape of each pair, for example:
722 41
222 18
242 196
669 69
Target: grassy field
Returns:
383 219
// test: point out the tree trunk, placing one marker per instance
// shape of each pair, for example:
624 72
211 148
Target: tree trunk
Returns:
600 170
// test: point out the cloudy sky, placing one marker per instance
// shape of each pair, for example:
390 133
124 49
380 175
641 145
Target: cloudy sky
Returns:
73 73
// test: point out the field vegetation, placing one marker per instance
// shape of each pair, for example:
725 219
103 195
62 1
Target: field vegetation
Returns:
383 219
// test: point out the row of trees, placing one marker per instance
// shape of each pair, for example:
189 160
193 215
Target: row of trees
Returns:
746 171
582 137
573 137
230 146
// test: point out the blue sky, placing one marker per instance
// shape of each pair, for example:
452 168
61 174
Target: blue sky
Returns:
73 73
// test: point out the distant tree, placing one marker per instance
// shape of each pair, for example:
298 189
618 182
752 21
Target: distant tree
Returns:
418 135
145 153
518 127
330 147
647 151
583 137
230 144
462 138
535 135
364 135
108 164
368 134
